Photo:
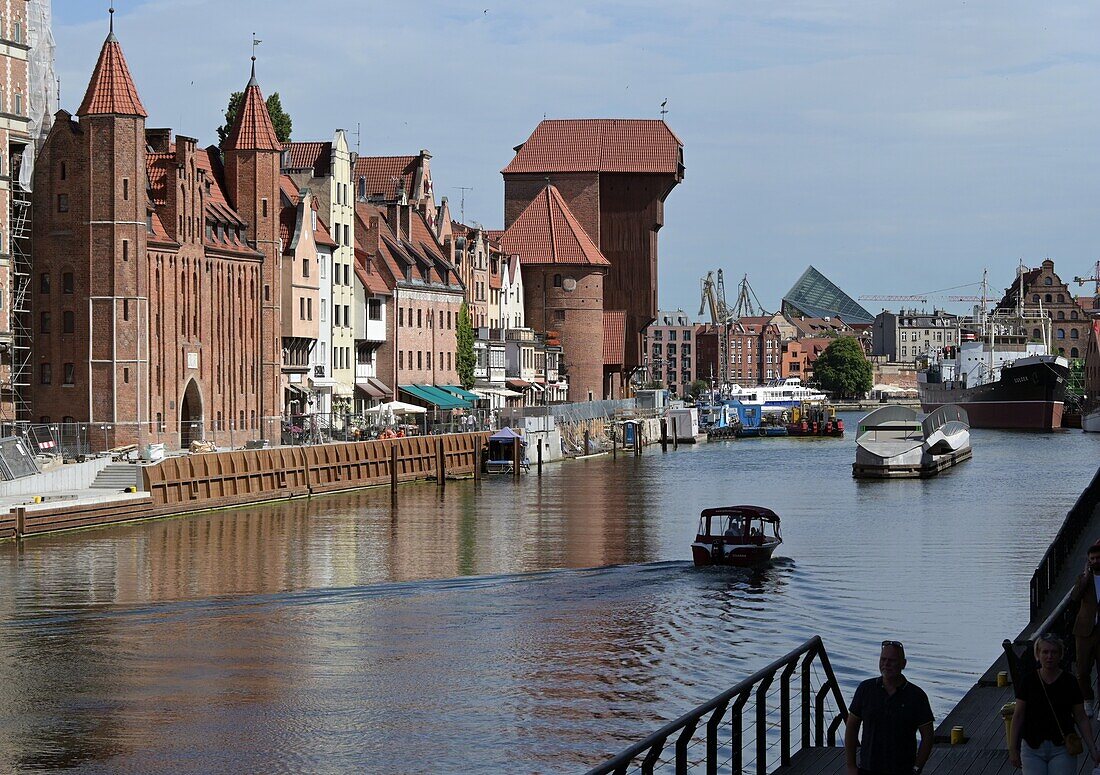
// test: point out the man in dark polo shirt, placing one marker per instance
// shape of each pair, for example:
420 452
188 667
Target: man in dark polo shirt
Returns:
891 711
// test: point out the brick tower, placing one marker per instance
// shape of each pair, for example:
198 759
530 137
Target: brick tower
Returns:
90 294
252 169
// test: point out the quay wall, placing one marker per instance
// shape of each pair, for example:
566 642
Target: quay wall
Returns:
71 476
245 477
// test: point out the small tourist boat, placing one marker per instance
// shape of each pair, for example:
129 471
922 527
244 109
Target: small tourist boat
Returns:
893 443
740 536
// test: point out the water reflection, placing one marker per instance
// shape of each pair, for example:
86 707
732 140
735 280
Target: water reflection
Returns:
529 626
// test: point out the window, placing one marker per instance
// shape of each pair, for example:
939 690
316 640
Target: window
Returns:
1073 333
1047 298
125 188
420 359
672 336
62 203
17 32
347 274
324 313
67 282
687 335
45 374
559 315
1061 298
374 309
18 104
68 322
336 314
428 359
1061 334
347 234
1048 281
309 309
1074 353
400 359
301 308
1036 334
347 315
126 250
557 281
448 319
324 267
400 316
263 207
126 376
44 323
1061 315
64 171
44 282
305 267
419 319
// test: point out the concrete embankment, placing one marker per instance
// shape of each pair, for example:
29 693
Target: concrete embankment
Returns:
180 485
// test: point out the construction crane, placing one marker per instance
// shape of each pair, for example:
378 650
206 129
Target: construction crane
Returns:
745 297
891 297
1094 279
713 298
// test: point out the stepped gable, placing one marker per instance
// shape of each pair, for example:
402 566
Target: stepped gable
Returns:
547 232
111 90
599 145
385 177
253 130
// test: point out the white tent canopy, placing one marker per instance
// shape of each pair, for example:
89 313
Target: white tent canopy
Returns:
397 408
883 388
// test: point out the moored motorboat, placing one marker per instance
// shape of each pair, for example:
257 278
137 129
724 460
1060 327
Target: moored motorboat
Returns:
893 443
739 536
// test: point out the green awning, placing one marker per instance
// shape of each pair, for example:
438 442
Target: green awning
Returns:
465 395
434 397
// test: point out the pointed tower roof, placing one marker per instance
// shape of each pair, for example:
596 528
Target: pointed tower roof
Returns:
253 130
547 232
111 90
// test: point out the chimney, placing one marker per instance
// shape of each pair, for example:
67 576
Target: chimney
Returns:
158 140
393 218
371 236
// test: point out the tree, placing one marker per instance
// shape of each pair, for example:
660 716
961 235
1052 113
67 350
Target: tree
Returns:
699 387
843 370
465 359
280 119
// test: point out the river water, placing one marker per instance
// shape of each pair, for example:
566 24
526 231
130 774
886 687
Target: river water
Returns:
503 626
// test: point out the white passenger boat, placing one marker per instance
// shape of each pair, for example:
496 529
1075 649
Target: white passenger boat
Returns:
894 443
776 394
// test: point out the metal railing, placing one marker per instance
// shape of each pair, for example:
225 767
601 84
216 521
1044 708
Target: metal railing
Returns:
1054 560
742 728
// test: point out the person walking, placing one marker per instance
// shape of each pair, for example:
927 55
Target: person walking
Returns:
1048 705
1086 627
891 711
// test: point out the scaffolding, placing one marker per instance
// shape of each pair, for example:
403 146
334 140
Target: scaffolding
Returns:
19 313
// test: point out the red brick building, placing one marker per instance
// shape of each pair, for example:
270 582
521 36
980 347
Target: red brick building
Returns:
614 176
156 299
563 286
755 351
1070 323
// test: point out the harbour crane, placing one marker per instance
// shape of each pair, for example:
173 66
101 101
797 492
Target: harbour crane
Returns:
745 297
1094 279
894 297
713 298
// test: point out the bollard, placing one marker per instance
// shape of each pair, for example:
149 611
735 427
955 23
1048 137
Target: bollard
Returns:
540 458
1007 710
515 458
957 736
440 463
393 470
586 448
1002 679
614 444
675 433
664 435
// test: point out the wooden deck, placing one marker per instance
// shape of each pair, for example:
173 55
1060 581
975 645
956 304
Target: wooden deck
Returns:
979 711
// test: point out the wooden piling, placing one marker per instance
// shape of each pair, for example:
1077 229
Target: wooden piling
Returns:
675 433
586 437
515 458
614 443
540 457
664 435
477 462
440 463
393 470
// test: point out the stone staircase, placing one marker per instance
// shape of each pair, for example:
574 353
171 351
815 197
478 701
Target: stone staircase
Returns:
118 476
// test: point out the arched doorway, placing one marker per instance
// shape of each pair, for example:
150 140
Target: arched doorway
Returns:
191 424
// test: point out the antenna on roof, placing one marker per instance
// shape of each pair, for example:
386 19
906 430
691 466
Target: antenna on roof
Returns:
358 137
462 202
664 109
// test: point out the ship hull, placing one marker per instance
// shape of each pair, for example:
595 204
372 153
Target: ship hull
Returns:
1028 397
1090 421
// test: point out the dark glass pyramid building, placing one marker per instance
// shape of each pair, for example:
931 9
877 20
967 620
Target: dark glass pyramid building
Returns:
815 295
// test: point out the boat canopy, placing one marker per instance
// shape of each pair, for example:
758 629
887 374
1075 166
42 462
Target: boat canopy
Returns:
507 436
752 512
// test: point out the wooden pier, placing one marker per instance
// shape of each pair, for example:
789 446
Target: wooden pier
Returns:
979 711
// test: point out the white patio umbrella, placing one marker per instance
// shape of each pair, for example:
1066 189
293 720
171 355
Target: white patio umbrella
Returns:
397 408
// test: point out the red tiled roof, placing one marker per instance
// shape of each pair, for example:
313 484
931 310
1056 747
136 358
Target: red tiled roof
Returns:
492 236
308 156
111 90
253 131
323 236
373 281
546 232
385 176
614 336
599 145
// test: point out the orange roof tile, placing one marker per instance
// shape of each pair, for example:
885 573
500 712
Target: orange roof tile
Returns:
315 157
599 145
111 90
546 232
614 336
323 236
253 131
385 176
365 270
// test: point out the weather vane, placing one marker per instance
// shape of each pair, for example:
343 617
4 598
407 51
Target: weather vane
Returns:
664 109
255 42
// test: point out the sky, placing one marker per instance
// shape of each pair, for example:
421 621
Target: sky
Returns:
898 147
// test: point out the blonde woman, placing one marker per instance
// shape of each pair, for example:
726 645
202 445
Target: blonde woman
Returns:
1049 708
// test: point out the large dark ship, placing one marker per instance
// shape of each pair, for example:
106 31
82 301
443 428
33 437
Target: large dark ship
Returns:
1024 392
